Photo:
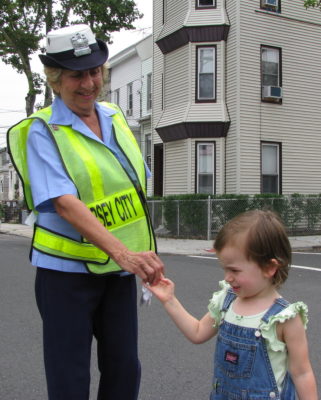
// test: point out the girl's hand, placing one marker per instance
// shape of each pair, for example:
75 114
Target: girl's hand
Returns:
163 290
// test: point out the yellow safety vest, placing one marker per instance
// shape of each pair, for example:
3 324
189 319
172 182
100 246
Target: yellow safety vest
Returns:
106 188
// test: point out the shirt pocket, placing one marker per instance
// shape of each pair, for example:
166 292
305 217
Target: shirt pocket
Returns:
234 359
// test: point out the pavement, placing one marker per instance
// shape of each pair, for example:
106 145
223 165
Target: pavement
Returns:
180 246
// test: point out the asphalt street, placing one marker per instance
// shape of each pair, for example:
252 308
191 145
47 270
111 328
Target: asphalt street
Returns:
172 368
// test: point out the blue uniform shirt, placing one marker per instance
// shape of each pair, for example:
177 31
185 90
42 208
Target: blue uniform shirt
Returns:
49 179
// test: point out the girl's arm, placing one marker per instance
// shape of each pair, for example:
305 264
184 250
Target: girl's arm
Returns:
300 368
197 331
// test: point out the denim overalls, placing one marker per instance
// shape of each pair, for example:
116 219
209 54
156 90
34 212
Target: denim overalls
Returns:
242 368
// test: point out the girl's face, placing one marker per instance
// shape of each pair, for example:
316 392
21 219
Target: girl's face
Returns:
245 277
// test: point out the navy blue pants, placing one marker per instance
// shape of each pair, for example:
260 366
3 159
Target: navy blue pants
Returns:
76 307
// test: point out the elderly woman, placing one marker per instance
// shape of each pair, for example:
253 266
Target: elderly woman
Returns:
85 179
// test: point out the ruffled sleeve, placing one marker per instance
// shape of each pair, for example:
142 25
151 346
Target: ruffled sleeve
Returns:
268 329
216 302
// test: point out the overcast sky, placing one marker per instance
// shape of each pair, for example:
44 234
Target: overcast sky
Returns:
14 86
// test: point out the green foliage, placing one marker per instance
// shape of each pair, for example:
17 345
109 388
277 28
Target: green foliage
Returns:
187 216
312 3
23 25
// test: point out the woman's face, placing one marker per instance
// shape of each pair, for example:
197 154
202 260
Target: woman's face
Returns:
79 89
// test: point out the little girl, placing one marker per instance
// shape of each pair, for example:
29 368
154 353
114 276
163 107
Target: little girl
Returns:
261 350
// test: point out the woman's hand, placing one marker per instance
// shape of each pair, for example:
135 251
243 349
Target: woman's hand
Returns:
164 290
147 265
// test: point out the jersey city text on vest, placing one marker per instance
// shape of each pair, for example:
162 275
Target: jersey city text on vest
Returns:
110 211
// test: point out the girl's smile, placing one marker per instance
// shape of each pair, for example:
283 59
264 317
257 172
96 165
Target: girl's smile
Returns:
247 279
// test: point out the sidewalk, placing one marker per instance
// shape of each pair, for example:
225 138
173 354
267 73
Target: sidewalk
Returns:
181 246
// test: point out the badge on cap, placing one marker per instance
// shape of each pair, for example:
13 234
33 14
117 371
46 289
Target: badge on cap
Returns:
80 44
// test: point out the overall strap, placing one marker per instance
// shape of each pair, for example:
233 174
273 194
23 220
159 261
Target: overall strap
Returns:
278 305
230 296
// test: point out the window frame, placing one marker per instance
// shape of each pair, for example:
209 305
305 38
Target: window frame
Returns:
197 146
148 155
130 99
117 96
278 145
149 92
198 51
271 9
204 7
279 49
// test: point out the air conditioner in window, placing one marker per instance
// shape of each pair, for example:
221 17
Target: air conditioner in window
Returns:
270 3
272 92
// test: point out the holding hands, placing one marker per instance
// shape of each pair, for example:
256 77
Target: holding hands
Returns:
164 290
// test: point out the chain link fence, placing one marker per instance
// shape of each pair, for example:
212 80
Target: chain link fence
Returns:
202 219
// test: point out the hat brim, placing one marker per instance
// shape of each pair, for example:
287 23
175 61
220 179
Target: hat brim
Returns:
96 58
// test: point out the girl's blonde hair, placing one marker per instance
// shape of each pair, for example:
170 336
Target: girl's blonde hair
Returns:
53 76
265 239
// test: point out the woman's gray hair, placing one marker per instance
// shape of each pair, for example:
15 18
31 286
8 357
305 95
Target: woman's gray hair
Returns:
53 76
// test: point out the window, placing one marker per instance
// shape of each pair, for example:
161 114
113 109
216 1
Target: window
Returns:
149 92
163 91
205 3
270 168
129 99
206 74
164 12
271 73
271 5
116 97
205 167
148 150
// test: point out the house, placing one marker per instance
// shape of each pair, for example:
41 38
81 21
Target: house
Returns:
130 86
236 97
4 174
10 185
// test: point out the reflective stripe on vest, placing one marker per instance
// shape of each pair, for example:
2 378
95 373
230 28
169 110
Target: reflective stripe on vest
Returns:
103 185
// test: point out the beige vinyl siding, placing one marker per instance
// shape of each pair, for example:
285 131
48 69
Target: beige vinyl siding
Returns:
176 77
292 10
176 88
209 16
232 99
175 15
178 15
158 68
177 167
180 88
296 123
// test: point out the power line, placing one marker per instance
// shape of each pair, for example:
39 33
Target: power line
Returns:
3 111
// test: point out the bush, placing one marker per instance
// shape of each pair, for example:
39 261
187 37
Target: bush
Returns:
187 216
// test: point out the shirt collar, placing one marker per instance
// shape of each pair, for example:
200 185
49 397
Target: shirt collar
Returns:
62 115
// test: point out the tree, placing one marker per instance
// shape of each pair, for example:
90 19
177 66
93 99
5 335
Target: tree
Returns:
312 3
24 23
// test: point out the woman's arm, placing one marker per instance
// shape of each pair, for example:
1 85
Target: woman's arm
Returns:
300 368
197 331
147 265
